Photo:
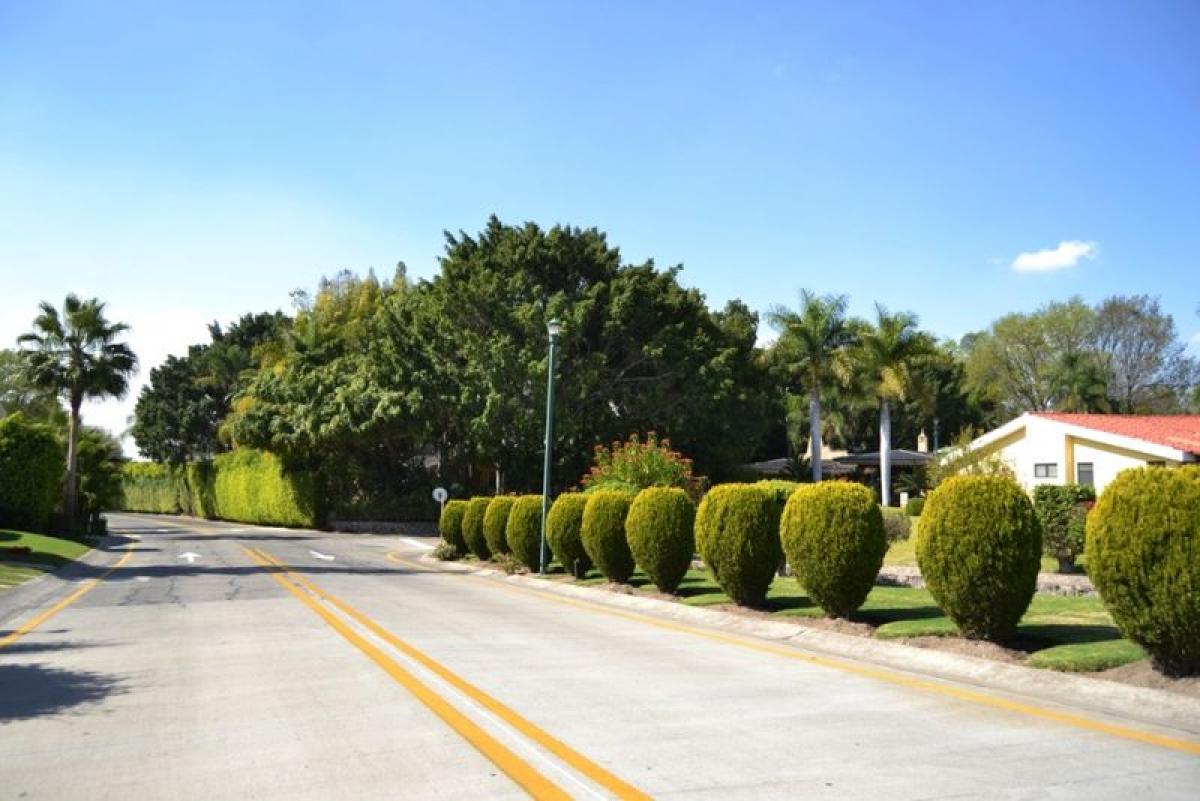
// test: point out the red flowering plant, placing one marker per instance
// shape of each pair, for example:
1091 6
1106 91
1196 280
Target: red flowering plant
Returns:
635 465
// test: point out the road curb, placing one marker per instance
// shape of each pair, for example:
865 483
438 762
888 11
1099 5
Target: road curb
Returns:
1143 704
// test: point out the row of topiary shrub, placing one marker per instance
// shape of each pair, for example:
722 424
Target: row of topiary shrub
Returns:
245 485
491 527
979 551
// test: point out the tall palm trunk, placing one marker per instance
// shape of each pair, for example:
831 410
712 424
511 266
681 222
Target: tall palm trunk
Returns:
814 433
71 483
885 454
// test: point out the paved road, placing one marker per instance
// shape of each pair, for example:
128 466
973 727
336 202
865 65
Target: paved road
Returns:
314 666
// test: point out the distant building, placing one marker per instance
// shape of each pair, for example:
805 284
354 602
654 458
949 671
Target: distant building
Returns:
1061 448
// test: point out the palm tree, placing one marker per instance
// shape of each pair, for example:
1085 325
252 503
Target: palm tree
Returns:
76 354
887 351
813 343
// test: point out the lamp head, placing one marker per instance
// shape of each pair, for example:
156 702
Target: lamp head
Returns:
554 327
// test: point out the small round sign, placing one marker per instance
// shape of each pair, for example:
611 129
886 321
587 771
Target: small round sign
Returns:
440 495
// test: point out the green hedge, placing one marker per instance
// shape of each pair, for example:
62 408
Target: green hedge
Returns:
251 486
450 525
659 530
495 519
1062 510
472 527
979 552
247 486
737 533
563 533
603 533
1143 555
834 539
32 464
524 531
914 507
151 487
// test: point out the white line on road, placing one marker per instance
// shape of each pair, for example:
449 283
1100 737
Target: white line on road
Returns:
319 555
190 557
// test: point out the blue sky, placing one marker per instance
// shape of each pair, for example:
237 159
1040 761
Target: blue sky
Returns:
195 161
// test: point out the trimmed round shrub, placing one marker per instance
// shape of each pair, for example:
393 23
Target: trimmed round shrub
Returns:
450 525
495 520
979 552
1143 555
472 527
563 533
32 463
833 537
603 533
524 531
737 534
914 507
659 530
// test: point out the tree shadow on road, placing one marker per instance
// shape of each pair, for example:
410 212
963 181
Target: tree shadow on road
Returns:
32 691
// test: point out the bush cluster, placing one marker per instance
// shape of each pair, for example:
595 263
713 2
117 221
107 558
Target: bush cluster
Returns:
564 526
603 533
523 533
32 464
635 465
1143 555
979 552
914 507
896 525
1062 511
472 527
833 537
450 526
659 529
495 522
737 534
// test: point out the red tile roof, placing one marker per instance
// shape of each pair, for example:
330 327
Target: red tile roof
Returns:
1180 431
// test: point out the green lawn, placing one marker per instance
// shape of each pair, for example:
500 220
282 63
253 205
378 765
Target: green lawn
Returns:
904 553
46 554
1071 633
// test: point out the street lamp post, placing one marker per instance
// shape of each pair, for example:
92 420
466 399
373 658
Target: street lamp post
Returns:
553 328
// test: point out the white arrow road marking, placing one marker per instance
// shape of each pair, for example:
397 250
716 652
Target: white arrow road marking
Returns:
417 543
319 555
190 557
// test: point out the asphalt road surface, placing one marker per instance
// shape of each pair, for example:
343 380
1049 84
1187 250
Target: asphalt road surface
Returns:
221 661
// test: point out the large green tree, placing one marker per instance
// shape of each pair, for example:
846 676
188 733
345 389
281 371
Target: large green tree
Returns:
638 352
180 411
1015 363
77 353
811 351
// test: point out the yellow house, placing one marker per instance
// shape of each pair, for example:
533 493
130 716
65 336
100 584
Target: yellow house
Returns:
1061 448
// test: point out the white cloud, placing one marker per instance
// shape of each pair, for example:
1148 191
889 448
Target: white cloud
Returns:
1067 254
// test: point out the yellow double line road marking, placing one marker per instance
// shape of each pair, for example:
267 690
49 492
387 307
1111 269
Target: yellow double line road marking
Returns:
520 771
42 617
879 674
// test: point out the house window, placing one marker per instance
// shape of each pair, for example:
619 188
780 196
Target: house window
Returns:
1046 470
1085 474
